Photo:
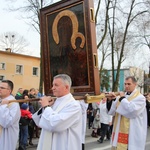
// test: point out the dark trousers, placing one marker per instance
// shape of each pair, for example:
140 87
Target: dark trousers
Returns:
23 136
91 118
104 131
31 133
148 112
82 146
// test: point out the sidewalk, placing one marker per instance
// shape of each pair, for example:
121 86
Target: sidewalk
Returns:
91 143
88 132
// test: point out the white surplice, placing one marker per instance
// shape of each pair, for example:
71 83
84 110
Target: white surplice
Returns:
65 125
9 121
84 107
135 110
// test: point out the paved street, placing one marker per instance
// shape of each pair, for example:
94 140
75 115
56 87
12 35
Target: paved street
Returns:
92 144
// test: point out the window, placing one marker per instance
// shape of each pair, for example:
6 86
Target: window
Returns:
1 77
2 66
35 71
19 69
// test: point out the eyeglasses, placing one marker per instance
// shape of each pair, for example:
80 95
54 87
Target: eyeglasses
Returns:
127 84
3 88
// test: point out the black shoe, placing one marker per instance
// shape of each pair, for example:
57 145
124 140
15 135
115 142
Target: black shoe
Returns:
100 141
107 139
21 147
30 143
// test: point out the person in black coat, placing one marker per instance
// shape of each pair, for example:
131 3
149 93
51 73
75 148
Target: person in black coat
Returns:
31 125
148 109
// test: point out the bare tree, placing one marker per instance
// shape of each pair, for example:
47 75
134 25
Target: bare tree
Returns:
119 21
129 15
14 42
102 9
105 26
142 37
104 52
31 11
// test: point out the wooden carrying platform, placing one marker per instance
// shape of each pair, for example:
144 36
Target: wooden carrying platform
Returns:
69 45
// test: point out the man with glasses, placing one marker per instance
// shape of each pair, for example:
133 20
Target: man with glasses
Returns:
9 117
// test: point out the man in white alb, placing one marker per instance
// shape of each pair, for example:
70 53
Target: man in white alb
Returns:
130 124
9 117
61 121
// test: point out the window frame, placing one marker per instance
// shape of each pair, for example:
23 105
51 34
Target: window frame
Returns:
37 71
21 67
2 66
2 78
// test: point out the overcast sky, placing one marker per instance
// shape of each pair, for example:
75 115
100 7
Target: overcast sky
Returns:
11 22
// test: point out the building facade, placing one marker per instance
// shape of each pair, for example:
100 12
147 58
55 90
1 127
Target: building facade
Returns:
23 70
131 71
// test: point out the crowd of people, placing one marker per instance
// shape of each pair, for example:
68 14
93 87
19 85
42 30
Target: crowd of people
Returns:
64 119
99 120
17 117
27 126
